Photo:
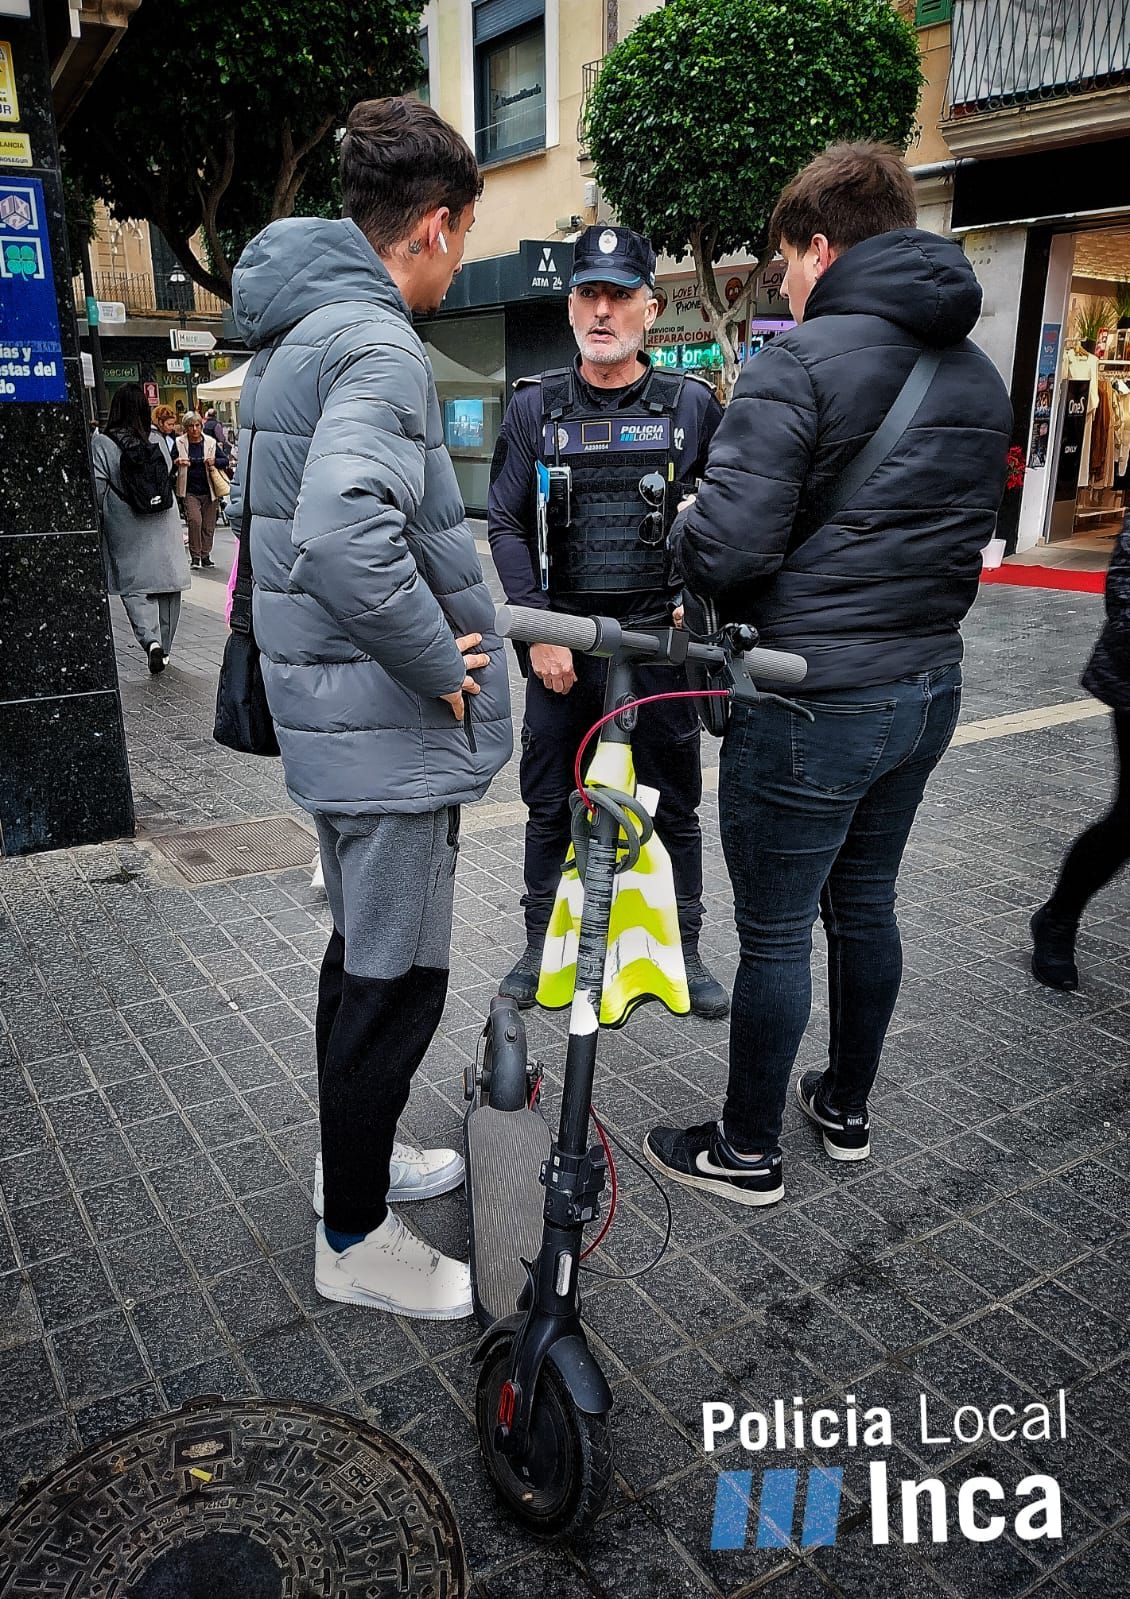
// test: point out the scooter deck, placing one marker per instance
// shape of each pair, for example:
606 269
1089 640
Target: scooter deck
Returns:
505 1150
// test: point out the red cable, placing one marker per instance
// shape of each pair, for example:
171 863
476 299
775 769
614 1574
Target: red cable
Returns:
631 705
615 1186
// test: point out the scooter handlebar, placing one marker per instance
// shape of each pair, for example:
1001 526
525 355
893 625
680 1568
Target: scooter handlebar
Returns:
528 625
532 626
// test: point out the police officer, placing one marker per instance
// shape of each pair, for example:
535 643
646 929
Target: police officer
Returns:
587 473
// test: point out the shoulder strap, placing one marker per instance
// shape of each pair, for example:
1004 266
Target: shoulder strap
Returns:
556 393
843 489
661 391
241 594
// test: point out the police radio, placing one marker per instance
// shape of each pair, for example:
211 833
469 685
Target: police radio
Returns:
555 511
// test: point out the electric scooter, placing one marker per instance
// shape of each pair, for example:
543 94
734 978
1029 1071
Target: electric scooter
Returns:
542 1402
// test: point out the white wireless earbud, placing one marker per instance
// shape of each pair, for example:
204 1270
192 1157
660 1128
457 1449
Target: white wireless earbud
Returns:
443 244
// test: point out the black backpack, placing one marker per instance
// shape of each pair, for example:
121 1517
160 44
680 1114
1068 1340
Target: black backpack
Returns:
146 482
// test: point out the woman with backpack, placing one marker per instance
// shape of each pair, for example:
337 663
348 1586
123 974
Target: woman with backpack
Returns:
201 483
142 542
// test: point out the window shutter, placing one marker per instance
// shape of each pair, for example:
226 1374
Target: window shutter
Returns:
493 18
929 12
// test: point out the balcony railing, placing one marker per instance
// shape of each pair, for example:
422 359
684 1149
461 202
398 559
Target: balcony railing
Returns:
1015 52
142 295
589 74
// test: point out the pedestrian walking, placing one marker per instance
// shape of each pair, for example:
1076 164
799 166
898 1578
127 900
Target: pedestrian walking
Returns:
214 428
605 553
863 557
1099 853
142 546
164 433
385 681
201 484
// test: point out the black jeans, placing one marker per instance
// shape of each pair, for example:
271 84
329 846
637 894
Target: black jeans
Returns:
1100 853
815 818
665 748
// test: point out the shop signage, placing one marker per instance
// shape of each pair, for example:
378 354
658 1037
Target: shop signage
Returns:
31 355
111 311
9 100
683 319
122 372
152 394
178 363
192 339
15 150
546 265
1046 371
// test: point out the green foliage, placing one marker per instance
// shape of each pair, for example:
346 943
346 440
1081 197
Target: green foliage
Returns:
1122 298
706 110
213 114
1092 317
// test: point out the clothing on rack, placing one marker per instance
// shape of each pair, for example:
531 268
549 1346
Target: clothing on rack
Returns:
1080 366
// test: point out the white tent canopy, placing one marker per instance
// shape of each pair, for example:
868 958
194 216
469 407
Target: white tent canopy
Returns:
227 386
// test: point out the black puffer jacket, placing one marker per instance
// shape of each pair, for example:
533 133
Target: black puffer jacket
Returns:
880 591
1108 671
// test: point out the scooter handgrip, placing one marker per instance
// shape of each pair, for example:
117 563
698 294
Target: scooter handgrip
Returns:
531 626
776 666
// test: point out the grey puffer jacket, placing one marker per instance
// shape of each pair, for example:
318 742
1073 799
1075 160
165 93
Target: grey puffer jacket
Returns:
365 568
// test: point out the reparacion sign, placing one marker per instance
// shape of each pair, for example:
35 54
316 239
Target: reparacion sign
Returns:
31 353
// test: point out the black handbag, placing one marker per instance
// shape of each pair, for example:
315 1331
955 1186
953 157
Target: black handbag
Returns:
700 616
243 721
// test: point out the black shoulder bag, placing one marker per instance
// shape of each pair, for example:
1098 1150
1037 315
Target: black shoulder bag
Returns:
243 721
700 616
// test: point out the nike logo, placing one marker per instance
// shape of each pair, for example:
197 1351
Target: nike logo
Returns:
704 1164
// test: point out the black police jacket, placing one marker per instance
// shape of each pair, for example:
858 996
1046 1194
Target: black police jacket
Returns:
512 501
878 593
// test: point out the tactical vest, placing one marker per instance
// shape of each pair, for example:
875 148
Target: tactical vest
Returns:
608 453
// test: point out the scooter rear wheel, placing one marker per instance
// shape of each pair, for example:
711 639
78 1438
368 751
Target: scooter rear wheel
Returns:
560 1485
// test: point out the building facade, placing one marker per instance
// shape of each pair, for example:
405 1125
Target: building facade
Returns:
1025 135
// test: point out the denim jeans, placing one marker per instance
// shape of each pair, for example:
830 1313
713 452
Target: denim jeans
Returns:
815 818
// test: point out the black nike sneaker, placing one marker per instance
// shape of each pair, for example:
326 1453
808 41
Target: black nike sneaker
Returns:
846 1133
521 981
701 1157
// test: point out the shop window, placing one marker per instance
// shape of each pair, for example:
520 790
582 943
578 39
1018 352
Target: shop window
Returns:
423 89
929 12
510 86
467 356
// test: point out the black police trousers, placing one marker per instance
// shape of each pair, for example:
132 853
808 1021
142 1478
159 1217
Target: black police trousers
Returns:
665 748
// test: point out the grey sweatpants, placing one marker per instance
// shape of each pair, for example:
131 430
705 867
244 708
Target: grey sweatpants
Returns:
153 617
390 881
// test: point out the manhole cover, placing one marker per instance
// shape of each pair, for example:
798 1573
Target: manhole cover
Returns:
248 1499
209 854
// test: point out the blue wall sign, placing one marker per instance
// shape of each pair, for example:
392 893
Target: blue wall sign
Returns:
31 354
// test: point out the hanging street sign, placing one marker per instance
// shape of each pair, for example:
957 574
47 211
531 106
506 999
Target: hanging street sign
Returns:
192 339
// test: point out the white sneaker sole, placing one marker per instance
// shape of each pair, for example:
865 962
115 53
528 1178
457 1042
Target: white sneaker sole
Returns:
833 1151
443 1182
363 1296
737 1196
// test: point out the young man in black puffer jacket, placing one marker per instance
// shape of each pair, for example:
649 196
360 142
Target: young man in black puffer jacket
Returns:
815 815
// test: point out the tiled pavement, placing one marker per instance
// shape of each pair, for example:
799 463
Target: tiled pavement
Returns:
158 1130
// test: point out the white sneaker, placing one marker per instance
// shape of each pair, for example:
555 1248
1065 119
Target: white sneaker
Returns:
318 881
413 1174
392 1269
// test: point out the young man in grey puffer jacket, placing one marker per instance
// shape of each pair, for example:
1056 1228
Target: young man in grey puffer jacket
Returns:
376 633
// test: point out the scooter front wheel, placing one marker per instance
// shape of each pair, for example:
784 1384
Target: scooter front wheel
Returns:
558 1486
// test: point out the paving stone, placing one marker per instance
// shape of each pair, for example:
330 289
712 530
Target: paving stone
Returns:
98 1357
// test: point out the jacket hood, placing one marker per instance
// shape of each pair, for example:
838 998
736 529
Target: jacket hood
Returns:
919 281
299 264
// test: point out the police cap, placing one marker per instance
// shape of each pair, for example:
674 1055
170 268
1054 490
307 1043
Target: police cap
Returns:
606 254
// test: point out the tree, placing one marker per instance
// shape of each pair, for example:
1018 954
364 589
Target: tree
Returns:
211 117
706 110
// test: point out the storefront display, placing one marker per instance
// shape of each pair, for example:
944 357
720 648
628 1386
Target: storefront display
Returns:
1079 438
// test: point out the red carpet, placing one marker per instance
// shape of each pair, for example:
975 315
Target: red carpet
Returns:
1047 577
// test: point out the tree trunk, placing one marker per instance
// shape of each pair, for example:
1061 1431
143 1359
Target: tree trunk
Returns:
724 320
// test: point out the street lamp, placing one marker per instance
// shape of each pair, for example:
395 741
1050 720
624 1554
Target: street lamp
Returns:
181 280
